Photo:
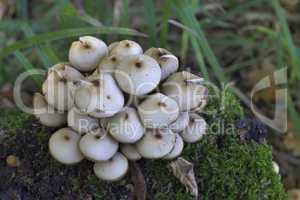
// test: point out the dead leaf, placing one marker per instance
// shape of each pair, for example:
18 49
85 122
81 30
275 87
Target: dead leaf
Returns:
139 183
184 171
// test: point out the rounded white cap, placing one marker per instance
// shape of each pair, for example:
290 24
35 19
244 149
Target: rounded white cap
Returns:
63 146
138 75
195 130
158 111
156 143
86 54
98 145
113 169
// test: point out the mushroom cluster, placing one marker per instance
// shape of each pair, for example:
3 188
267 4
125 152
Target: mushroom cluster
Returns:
120 104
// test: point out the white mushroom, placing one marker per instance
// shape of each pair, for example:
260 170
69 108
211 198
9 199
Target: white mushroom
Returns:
167 61
125 48
58 87
111 46
66 71
86 53
186 89
85 99
98 145
130 151
138 75
109 97
275 167
63 146
46 114
158 111
156 143
109 64
177 149
125 126
113 169
180 123
195 130
82 123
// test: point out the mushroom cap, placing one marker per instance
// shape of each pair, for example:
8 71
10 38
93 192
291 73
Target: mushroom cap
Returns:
187 93
158 111
58 91
111 46
180 123
130 151
113 169
125 48
66 71
46 114
80 122
86 53
110 99
63 146
156 143
177 149
98 145
167 61
195 130
109 64
138 75
275 167
125 126
84 97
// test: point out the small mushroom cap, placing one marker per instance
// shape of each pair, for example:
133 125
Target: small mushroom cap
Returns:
156 143
58 91
138 75
158 111
130 151
98 145
46 114
110 99
276 167
125 126
63 146
86 53
177 149
195 130
111 46
185 90
66 71
180 123
84 97
126 48
109 64
167 61
113 169
80 122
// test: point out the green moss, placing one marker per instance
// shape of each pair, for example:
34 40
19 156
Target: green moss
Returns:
224 106
13 120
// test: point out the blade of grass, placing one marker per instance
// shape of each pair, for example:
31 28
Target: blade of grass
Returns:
294 115
47 37
184 47
185 14
288 38
126 17
199 58
42 51
22 9
27 66
166 11
150 17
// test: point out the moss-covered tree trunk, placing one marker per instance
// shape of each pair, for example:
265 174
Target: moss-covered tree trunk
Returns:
231 165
